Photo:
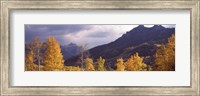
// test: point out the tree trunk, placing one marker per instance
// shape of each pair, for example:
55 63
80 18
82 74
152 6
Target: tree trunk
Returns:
38 59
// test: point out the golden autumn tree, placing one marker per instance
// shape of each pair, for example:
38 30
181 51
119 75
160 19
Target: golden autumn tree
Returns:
165 56
53 58
100 66
135 63
29 58
89 64
29 65
36 46
120 64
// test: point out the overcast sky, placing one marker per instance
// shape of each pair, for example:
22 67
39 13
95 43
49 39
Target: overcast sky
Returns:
92 35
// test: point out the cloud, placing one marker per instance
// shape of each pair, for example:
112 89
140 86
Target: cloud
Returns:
43 31
99 34
164 25
59 29
148 26
169 25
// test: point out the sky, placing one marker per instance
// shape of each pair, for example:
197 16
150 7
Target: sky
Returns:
90 35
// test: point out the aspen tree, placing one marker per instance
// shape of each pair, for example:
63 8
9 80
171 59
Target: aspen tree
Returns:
101 62
89 64
135 63
53 58
165 56
120 64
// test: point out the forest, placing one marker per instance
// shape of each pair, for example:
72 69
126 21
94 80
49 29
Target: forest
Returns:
47 56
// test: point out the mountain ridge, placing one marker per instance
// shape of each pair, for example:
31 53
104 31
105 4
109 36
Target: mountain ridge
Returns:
141 39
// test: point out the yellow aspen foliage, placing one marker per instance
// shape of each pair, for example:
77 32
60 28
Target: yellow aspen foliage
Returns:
71 68
165 56
41 68
160 57
89 64
149 68
171 41
101 63
120 64
135 63
31 67
36 47
29 58
53 58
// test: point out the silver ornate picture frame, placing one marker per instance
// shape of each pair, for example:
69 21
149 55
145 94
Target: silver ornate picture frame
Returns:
8 5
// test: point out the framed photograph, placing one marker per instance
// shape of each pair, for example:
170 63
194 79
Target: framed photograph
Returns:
67 47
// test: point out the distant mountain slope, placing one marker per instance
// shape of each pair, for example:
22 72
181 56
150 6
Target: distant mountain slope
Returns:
69 50
140 39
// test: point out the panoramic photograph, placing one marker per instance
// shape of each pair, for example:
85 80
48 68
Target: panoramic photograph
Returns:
100 47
